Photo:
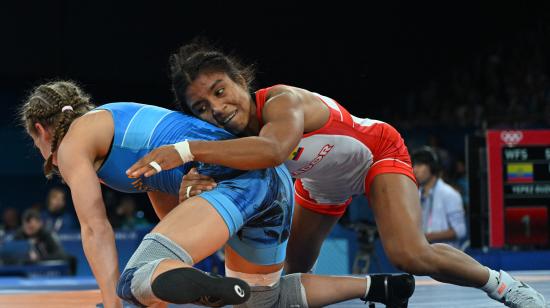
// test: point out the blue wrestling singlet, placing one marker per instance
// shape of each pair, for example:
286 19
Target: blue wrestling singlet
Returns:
142 128
260 204
256 205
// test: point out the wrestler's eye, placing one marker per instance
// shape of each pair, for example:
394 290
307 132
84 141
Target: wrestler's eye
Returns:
201 109
219 92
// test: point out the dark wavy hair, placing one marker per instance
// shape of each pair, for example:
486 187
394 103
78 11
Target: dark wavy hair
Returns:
201 56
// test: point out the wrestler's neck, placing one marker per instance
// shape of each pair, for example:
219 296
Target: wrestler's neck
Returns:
253 127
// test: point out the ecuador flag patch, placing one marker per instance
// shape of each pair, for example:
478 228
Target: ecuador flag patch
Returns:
295 155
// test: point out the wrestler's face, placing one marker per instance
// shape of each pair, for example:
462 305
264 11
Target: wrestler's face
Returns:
422 173
217 99
42 143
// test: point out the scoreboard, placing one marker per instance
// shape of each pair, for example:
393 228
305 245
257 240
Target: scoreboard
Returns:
519 187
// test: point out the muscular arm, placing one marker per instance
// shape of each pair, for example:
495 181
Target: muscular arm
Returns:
284 126
285 123
75 161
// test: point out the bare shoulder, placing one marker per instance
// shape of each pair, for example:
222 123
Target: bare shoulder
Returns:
97 122
316 113
281 88
300 95
91 132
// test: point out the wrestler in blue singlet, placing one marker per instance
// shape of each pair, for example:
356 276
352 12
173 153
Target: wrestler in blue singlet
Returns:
256 205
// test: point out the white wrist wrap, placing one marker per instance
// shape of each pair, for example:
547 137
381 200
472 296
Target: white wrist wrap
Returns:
184 151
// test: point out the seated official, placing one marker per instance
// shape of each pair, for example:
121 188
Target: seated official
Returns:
443 218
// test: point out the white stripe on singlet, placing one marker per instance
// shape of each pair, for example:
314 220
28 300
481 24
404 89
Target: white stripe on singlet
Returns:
130 123
365 122
397 160
154 128
331 103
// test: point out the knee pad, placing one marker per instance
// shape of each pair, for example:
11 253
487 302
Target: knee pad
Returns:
293 293
190 285
134 284
393 290
288 292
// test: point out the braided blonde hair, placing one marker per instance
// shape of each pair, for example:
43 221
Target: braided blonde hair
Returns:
44 105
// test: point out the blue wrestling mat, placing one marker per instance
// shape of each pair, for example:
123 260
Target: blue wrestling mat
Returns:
19 285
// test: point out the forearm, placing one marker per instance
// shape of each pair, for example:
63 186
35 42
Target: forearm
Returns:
99 247
76 166
244 153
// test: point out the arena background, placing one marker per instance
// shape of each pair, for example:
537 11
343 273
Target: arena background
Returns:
437 71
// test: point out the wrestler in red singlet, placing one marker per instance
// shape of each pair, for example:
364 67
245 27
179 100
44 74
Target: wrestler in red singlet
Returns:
339 160
333 156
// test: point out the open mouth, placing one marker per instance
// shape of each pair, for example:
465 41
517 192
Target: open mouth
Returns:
229 118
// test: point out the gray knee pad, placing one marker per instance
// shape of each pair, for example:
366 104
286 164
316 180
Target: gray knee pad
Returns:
135 282
293 293
288 292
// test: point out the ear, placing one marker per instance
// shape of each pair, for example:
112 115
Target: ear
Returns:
43 131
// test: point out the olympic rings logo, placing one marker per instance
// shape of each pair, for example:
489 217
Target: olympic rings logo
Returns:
511 137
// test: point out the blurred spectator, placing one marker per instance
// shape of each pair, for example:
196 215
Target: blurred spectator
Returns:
10 221
56 216
443 218
37 206
44 244
444 157
128 217
461 181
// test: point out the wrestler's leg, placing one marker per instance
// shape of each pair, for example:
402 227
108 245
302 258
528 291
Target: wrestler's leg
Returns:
307 290
394 199
309 230
392 290
395 202
162 202
162 263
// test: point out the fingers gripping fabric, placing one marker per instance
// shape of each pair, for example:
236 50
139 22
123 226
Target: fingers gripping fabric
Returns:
135 282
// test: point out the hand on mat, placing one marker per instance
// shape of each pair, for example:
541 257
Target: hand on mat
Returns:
194 183
165 156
